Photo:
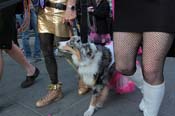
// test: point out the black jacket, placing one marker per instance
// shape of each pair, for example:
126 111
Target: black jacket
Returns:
101 14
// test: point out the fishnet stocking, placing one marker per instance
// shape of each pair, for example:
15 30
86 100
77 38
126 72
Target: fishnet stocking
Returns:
126 45
155 48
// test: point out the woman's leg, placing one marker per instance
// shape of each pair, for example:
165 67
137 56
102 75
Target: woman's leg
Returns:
54 92
47 47
126 45
155 48
16 53
1 64
32 72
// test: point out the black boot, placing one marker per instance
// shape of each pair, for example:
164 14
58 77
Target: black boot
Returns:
30 79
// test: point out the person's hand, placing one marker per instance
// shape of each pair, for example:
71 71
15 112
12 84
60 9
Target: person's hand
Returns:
69 16
90 9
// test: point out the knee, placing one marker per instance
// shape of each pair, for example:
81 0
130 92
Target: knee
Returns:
152 75
126 69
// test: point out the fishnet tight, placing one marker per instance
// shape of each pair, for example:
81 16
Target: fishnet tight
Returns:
155 48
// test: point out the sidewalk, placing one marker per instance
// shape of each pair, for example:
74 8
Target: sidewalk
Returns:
15 101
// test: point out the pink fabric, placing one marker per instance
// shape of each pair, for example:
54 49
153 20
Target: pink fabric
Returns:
99 38
121 84
140 51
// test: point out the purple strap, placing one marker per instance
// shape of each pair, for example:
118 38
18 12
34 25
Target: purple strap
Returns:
42 3
39 3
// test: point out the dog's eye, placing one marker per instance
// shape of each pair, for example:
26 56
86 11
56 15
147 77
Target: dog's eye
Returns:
89 53
78 41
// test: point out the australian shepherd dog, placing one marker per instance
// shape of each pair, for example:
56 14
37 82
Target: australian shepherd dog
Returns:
94 63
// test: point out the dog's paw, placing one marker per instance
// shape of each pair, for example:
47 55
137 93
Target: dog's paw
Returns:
99 105
90 111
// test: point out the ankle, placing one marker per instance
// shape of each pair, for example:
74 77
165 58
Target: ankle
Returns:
31 70
55 86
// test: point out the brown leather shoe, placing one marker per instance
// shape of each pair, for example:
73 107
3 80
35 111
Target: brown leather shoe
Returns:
54 94
82 87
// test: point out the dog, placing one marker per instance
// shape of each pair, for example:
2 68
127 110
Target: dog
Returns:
95 65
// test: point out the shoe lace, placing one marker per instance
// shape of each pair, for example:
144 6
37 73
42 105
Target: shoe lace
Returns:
47 97
52 89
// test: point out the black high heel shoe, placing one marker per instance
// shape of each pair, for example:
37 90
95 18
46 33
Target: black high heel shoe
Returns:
30 79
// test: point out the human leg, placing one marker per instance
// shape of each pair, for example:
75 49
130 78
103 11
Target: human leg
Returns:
19 57
54 93
25 38
155 48
47 41
37 51
26 44
32 72
125 46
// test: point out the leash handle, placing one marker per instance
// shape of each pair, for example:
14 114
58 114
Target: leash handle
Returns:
74 28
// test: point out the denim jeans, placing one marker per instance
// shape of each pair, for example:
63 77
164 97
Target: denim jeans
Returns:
25 36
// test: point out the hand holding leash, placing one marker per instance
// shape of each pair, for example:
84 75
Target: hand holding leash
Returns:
73 28
69 16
